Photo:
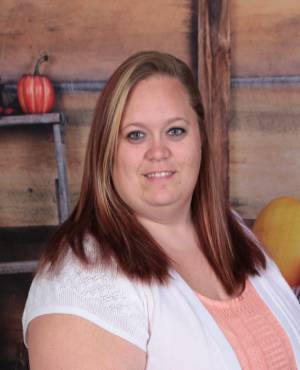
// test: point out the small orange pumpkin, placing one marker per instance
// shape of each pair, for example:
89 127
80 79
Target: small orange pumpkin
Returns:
278 228
35 92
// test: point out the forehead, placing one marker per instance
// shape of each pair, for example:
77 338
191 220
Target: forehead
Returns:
157 95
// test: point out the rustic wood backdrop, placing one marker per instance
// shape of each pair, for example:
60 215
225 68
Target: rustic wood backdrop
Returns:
85 42
264 133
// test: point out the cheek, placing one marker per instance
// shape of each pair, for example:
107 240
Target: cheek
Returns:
191 155
196 150
192 164
125 175
127 161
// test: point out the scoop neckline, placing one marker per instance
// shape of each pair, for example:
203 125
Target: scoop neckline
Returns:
216 302
225 302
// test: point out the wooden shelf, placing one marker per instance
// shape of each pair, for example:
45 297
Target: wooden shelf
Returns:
56 122
31 119
23 267
21 247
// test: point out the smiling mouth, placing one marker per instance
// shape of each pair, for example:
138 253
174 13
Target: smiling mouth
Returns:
159 174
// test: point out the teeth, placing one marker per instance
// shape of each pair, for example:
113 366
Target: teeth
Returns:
159 174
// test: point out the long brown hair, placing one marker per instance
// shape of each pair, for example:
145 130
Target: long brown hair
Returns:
102 215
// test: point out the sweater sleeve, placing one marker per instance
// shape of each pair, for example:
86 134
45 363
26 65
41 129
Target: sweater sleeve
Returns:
101 295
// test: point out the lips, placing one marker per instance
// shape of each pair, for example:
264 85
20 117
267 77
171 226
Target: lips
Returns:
159 174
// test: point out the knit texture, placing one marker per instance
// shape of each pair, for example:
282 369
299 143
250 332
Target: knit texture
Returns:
256 336
101 295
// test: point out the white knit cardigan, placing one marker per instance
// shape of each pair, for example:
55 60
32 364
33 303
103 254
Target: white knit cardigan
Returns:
168 322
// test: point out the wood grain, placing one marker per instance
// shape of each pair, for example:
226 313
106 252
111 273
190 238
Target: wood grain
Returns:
28 167
87 40
265 37
264 146
27 194
214 77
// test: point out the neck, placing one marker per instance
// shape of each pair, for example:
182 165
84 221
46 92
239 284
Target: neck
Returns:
165 217
175 214
170 232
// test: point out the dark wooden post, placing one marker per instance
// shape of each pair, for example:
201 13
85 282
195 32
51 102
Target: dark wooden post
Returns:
214 77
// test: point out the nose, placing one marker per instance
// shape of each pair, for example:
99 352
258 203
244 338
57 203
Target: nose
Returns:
158 150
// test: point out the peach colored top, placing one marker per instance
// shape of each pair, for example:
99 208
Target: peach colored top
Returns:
256 336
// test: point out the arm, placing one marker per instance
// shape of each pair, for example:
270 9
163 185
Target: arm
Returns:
68 342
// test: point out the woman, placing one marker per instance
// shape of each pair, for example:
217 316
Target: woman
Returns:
152 270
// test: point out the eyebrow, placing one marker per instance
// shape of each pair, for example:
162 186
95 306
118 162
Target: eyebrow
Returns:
168 122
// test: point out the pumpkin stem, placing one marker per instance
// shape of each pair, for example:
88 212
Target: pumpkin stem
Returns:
43 58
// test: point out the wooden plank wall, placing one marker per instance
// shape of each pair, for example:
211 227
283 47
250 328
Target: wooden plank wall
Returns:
264 134
85 41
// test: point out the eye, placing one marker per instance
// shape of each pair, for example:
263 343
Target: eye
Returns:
135 135
176 131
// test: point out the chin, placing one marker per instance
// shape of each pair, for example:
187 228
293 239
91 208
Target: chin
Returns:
162 201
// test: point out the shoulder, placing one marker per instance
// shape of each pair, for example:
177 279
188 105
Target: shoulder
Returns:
271 284
100 294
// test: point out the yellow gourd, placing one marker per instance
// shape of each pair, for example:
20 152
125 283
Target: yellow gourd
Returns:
278 228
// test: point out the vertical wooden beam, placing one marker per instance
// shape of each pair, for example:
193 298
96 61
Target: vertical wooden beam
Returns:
214 78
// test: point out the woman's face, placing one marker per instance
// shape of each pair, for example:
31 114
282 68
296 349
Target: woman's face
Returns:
159 148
